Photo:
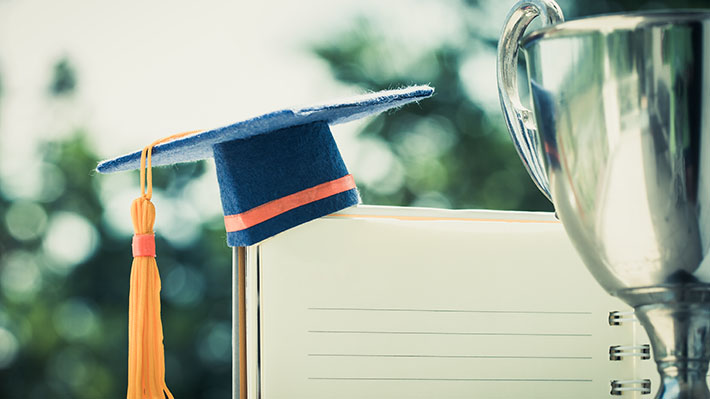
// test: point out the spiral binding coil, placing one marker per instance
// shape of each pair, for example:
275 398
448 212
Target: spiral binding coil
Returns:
617 318
618 387
618 352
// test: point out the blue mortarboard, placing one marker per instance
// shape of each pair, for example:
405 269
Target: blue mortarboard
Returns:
277 170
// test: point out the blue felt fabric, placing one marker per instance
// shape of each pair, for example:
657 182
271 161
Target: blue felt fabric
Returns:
199 146
269 157
260 169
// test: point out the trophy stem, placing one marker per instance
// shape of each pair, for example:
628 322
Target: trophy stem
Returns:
679 334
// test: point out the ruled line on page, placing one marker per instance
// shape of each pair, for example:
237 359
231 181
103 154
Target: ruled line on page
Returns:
451 333
357 309
408 356
453 379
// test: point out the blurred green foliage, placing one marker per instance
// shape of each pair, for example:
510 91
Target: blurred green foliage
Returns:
68 314
64 266
64 273
452 153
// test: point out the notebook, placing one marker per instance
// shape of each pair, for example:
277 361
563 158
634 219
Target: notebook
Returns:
390 302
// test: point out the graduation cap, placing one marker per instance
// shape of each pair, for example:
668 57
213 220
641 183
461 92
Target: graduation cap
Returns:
275 171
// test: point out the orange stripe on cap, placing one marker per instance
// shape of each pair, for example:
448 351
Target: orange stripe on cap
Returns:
144 245
262 213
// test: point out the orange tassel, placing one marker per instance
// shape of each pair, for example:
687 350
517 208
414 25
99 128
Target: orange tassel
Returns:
146 357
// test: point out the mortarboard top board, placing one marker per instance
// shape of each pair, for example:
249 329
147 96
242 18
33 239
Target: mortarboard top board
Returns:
278 170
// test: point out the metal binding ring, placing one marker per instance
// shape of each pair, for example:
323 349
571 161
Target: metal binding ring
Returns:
616 317
620 386
617 352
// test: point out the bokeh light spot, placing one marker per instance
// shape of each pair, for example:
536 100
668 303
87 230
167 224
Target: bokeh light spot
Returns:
183 286
117 192
427 175
20 179
202 194
429 138
70 367
432 199
377 168
8 348
25 220
478 75
117 214
75 319
53 182
70 240
20 277
176 220
216 344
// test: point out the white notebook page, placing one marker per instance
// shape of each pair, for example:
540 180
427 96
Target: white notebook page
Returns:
432 304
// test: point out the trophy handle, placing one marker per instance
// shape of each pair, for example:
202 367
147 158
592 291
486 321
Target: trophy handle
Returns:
520 120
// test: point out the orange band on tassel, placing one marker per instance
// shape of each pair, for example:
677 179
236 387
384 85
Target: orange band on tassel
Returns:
144 245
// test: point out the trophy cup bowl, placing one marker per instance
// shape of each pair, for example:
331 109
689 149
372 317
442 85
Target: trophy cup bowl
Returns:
619 141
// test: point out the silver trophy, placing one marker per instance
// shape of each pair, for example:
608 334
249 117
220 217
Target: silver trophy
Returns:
619 140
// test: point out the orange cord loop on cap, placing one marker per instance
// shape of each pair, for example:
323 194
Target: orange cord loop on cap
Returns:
146 354
146 171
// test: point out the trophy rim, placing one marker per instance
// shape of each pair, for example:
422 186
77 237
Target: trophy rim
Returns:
608 23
